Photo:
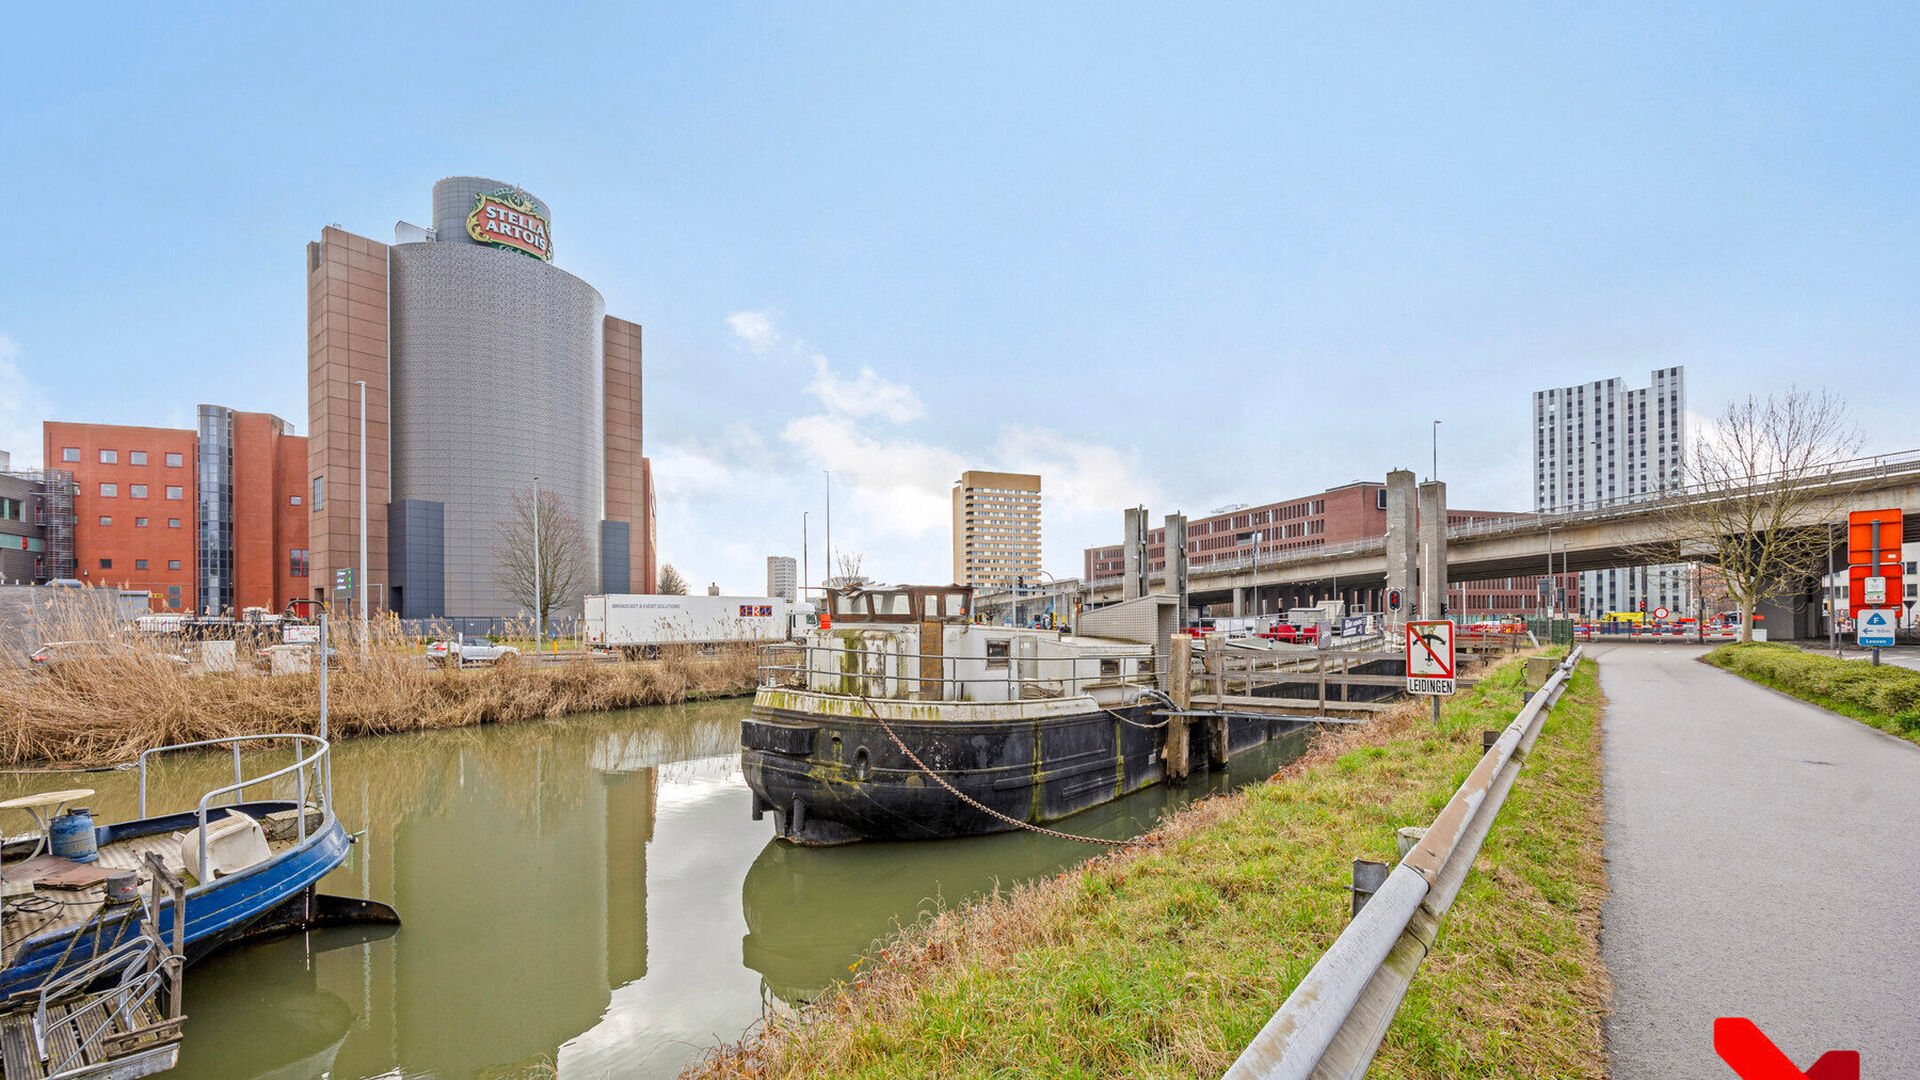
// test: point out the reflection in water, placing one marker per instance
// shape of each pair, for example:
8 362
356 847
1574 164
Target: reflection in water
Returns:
591 893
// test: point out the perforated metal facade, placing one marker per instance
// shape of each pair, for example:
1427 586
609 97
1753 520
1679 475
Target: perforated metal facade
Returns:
496 381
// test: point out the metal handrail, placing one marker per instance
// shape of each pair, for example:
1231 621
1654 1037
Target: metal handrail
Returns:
1333 1021
770 673
299 767
131 996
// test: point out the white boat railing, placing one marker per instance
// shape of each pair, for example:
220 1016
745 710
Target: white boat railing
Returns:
779 667
311 753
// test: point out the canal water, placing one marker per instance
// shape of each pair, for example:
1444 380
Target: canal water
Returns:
588 895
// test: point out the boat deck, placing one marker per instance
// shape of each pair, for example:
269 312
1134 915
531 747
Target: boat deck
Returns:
138 1044
49 910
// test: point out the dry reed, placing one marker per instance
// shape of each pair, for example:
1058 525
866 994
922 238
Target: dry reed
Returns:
97 710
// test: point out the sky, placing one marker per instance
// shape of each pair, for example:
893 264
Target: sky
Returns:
1174 256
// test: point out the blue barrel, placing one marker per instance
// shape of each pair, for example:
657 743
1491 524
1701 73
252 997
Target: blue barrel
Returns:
71 835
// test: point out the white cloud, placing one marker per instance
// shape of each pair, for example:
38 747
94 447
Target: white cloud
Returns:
22 407
865 396
1077 477
895 487
755 328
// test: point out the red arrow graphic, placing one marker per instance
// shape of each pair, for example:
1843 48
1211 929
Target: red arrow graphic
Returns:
1752 1056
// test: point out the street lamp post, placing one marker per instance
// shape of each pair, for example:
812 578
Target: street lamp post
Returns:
828 473
1436 451
363 522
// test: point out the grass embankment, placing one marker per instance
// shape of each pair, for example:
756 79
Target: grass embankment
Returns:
106 709
1164 961
1886 697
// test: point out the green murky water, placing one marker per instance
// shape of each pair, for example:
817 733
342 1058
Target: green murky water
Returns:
588 894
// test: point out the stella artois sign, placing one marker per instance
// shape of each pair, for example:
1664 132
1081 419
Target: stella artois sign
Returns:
508 218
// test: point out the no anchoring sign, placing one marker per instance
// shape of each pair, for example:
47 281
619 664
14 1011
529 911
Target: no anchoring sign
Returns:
1430 659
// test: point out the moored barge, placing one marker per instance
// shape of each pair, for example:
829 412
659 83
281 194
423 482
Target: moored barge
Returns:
1009 725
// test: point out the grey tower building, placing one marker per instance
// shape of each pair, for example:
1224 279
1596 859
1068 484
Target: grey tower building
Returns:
1600 444
488 370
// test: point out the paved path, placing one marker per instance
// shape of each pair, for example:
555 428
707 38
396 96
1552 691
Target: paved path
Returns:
1764 858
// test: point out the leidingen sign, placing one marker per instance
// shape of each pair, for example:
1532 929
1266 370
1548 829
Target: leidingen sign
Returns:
1430 660
508 218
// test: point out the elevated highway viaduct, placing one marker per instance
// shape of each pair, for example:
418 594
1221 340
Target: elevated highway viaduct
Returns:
1516 547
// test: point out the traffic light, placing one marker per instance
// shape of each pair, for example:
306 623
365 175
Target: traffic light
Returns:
1643 605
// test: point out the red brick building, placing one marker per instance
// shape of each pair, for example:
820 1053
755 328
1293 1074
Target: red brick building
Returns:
1337 516
144 518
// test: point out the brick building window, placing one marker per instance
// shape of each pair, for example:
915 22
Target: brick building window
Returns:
173 523
139 523
136 457
139 564
293 500
319 493
138 491
297 562
174 461
105 520
69 453
106 564
12 509
109 457
174 493
173 596
173 564
108 491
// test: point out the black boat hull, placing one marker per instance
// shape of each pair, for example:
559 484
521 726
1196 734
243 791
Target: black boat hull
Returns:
830 779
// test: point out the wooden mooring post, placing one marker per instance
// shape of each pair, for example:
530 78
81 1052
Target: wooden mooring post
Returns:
1180 689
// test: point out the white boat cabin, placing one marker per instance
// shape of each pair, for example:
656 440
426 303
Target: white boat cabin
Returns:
920 643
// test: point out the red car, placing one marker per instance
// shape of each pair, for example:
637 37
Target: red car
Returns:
1300 635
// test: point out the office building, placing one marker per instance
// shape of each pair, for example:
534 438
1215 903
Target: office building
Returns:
996 529
36 524
783 577
488 370
206 520
1600 444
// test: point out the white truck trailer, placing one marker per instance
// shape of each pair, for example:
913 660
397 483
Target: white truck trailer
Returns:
639 624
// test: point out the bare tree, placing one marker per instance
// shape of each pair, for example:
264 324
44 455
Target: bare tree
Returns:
1760 482
557 561
671 583
849 567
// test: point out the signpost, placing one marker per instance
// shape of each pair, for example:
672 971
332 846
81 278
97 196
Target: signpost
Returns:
1875 629
1873 575
1430 661
301 635
1661 613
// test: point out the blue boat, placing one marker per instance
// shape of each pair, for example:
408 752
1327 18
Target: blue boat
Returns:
261 861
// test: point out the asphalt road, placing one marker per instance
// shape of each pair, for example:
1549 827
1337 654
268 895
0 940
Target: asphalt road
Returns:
1762 856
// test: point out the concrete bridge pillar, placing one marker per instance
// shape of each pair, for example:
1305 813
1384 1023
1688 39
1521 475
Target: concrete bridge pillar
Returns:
1133 582
1239 601
1433 548
1177 564
1400 538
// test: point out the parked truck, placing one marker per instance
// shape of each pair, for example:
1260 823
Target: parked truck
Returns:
639 624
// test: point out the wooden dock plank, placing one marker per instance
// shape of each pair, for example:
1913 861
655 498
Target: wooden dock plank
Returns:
17 1053
61 1043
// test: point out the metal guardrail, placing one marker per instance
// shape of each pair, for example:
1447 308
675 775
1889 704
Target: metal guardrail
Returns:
1332 1023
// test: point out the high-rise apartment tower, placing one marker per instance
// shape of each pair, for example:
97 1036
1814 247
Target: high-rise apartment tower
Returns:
1600 444
996 529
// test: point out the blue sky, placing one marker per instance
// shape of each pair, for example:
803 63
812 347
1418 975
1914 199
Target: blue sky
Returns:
1181 256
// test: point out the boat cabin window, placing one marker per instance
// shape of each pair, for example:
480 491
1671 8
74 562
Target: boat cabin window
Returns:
896 605
849 605
956 605
997 655
1109 667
